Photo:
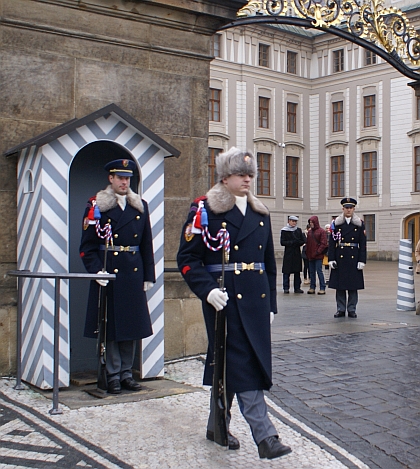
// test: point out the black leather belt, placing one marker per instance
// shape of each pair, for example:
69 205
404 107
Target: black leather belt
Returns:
236 266
120 248
350 245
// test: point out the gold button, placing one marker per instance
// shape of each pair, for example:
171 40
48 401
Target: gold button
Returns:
135 269
237 272
341 256
261 272
352 239
342 247
135 235
109 220
134 252
352 257
138 217
116 235
263 295
236 248
115 253
239 296
115 271
261 223
355 229
260 247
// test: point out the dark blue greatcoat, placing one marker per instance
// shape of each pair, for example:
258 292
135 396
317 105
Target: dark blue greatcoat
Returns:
252 294
127 309
346 276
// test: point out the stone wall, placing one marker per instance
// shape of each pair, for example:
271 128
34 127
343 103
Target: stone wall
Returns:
61 59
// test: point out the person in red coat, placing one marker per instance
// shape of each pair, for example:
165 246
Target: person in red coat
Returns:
130 257
316 247
250 296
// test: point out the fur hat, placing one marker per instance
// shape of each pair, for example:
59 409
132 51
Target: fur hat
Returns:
235 161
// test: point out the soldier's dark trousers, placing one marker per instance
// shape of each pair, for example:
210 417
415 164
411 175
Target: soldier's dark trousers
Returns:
119 359
254 409
343 303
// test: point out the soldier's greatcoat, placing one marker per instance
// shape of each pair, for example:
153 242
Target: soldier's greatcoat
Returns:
347 246
128 313
252 293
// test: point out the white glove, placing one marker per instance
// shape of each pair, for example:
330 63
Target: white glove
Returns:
102 283
271 317
332 264
147 286
217 298
360 265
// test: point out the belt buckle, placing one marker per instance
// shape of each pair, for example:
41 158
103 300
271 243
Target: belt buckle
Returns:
124 248
246 266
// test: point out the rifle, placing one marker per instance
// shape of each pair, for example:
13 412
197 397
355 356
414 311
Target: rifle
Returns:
219 395
102 383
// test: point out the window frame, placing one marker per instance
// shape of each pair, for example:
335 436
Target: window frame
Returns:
369 110
263 182
291 112
292 177
291 62
417 169
215 105
370 226
370 58
211 162
338 117
263 55
337 176
263 112
338 60
370 173
216 44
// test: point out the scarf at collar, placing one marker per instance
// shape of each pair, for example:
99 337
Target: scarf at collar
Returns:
220 200
341 219
106 199
289 228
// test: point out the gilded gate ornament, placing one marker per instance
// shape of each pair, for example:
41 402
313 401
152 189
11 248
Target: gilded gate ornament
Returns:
388 28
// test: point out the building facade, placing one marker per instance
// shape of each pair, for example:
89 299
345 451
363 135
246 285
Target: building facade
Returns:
326 119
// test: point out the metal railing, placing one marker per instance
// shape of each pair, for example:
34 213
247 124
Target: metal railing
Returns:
21 274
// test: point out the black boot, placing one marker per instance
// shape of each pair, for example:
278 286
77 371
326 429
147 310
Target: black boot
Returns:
271 448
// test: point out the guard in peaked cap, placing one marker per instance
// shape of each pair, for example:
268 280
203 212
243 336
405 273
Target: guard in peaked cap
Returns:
347 258
121 167
348 201
235 161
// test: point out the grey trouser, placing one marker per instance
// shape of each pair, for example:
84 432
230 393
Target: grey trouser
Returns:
343 303
254 409
119 359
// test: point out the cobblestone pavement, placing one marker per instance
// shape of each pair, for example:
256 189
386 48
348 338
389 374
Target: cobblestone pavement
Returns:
345 395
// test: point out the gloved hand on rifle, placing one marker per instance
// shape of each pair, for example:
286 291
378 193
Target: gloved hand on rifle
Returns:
332 264
147 285
102 283
217 298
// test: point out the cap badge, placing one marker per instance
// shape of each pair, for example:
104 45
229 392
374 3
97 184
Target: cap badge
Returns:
125 163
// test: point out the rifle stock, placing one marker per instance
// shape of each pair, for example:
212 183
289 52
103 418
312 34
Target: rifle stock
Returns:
219 396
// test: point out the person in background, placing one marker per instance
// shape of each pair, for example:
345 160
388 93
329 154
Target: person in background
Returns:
316 246
417 254
306 280
292 238
325 259
347 258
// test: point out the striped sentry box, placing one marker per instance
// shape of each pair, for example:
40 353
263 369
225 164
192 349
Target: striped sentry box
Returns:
43 213
405 294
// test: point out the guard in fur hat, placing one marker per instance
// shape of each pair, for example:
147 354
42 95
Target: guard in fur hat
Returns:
347 258
119 216
250 296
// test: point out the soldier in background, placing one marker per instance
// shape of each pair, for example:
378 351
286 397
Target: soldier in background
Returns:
347 258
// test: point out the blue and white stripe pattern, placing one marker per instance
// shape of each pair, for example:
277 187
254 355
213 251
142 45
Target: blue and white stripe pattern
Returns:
43 241
405 295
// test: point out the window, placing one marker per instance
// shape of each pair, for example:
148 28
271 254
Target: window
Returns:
417 169
263 177
212 179
264 112
369 111
337 176
370 57
216 45
292 176
418 108
291 62
291 117
369 227
337 116
370 173
214 105
338 60
263 57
